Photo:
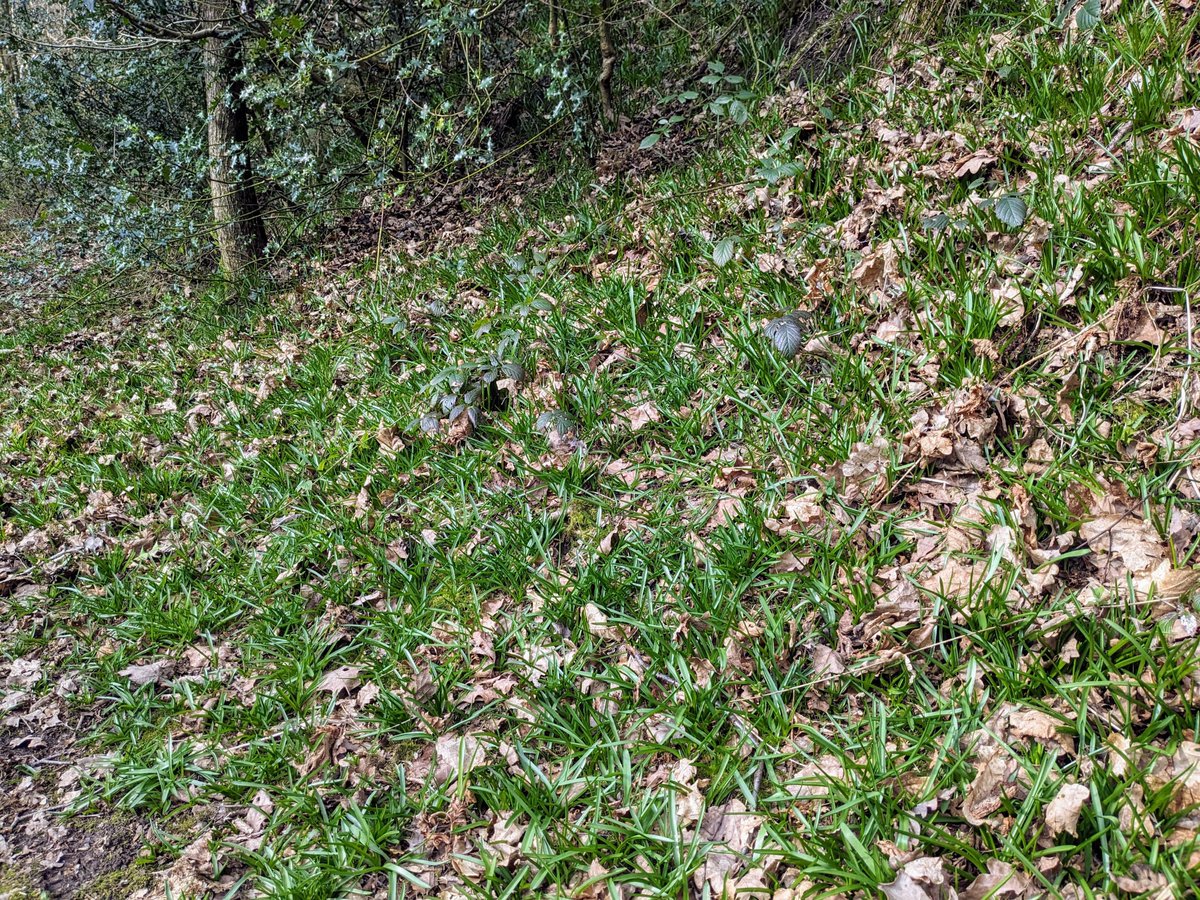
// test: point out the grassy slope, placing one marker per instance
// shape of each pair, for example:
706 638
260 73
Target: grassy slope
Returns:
737 616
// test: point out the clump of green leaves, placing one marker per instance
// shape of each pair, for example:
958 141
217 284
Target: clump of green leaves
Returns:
474 387
722 97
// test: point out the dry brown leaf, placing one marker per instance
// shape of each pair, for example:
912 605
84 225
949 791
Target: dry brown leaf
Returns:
1169 586
608 542
25 672
1126 536
1000 882
733 827
456 756
642 415
192 873
1180 774
343 679
999 776
389 440
1120 758
330 745
595 883
1140 880
864 476
878 268
974 163
923 878
253 822
855 228
789 562
827 661
504 842
727 510
1027 724
689 801
816 779
459 428
1062 813
150 673
598 624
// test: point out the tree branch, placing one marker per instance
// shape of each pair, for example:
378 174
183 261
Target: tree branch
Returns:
166 32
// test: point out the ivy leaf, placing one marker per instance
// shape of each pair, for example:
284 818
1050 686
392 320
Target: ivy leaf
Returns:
1088 16
1011 210
723 252
787 333
430 424
650 140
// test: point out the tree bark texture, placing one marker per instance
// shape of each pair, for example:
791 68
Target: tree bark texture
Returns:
608 62
237 214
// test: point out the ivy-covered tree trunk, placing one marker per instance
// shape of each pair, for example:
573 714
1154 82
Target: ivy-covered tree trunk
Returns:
237 214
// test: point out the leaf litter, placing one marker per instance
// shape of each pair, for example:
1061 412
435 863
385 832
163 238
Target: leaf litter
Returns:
1007 568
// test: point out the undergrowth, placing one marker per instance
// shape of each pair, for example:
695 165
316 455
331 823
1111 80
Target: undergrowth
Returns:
533 565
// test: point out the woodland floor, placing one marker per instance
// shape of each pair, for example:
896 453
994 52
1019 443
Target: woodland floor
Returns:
818 517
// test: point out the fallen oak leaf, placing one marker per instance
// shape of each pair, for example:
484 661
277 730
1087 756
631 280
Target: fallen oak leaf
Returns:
827 662
1140 880
389 440
1124 535
998 777
733 826
1180 774
1000 882
789 562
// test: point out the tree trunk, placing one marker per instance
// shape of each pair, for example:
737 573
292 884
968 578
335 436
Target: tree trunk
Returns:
237 214
608 62
10 64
